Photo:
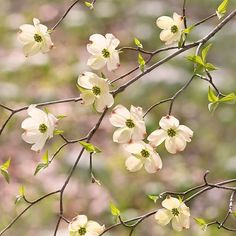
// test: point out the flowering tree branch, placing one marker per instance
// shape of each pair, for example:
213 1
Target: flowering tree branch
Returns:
187 196
95 90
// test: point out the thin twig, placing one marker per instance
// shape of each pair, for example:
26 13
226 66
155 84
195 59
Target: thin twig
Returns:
64 15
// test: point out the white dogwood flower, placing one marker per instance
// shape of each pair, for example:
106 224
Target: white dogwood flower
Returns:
103 50
95 90
38 127
174 135
35 38
176 211
81 226
171 28
142 154
130 124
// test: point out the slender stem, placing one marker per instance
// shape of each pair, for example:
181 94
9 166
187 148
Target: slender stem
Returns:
184 14
179 92
156 104
64 15
26 209
205 19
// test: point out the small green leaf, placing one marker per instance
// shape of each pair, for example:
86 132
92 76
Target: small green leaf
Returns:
22 190
141 62
188 30
201 222
90 147
21 194
89 5
181 41
153 197
6 164
45 158
196 59
5 174
40 166
18 199
61 117
114 210
4 170
222 9
205 52
58 131
228 98
212 106
211 95
43 165
138 43
210 67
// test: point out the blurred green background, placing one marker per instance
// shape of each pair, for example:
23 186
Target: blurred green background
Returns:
54 75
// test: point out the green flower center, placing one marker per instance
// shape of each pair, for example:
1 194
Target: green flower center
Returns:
129 123
82 231
38 38
175 211
105 53
171 132
43 128
96 90
145 153
174 29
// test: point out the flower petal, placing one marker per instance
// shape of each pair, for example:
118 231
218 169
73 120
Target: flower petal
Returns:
164 22
135 148
180 222
26 38
186 132
103 101
96 62
136 112
82 220
166 35
31 137
119 116
113 61
179 20
94 227
175 144
168 122
88 98
29 124
139 131
133 164
171 203
153 163
39 144
47 44
163 217
97 45
37 114
157 137
27 28
122 135
111 41
85 80
31 48
184 210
